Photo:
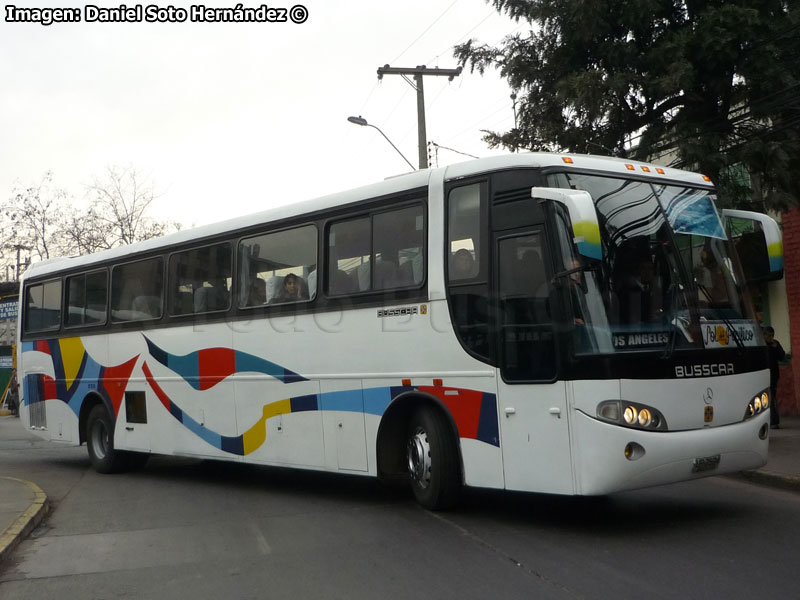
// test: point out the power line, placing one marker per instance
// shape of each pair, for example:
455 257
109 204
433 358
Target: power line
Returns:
436 20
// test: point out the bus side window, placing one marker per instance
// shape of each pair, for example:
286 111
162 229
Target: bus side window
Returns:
384 251
43 306
278 267
199 279
465 210
136 290
468 289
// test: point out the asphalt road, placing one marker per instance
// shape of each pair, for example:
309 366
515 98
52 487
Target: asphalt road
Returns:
184 528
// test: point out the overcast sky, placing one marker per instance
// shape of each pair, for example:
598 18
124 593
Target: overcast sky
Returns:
227 119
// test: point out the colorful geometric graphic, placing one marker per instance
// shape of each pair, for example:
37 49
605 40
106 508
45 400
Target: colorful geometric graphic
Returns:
205 368
77 373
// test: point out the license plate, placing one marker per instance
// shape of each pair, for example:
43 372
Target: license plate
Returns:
706 463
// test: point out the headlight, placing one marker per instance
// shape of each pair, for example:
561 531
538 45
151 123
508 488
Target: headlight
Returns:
631 414
757 405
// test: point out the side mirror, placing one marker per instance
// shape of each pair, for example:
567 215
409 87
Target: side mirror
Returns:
583 217
758 242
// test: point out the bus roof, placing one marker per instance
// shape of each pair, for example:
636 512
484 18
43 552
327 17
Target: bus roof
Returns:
396 184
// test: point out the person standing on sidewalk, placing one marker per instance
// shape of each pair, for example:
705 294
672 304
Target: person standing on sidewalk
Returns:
12 398
776 355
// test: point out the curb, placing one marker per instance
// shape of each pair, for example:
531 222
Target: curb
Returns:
25 523
772 479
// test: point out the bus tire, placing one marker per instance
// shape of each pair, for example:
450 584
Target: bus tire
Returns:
433 464
100 442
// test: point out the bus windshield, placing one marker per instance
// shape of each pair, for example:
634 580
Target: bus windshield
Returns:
669 277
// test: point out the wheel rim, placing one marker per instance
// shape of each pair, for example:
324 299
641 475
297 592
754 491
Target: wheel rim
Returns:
419 458
100 439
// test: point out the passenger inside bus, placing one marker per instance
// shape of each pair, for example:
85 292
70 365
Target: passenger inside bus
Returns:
257 294
211 297
293 290
462 265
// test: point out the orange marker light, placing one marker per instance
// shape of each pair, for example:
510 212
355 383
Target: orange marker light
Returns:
646 169
660 171
630 167
706 178
407 382
438 382
567 160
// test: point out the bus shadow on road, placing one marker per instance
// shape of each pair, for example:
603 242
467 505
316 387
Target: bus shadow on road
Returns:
284 481
683 505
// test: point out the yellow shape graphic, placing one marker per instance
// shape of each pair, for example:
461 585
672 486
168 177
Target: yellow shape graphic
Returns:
257 434
72 352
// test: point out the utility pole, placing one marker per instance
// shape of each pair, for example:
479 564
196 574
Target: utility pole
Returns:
418 73
19 264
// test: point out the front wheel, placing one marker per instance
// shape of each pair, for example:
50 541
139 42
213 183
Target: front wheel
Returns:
433 464
100 442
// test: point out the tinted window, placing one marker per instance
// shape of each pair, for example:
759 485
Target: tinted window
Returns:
527 337
43 307
136 290
464 227
381 252
200 280
86 299
469 288
278 268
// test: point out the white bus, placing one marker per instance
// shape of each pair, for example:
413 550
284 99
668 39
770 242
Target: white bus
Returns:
565 324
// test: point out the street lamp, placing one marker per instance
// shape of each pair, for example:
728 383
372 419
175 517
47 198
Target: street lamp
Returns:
363 122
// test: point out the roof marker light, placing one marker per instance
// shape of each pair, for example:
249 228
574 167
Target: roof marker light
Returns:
630 167
567 160
646 169
659 170
707 178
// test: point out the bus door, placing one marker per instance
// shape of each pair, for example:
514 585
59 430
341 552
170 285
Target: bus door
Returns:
533 402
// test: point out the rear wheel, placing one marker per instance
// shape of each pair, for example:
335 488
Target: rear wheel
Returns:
432 455
100 442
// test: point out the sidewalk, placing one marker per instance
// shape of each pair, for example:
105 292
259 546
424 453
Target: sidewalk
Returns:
23 504
783 466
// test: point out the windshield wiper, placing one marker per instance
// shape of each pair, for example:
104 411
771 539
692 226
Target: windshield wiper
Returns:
728 324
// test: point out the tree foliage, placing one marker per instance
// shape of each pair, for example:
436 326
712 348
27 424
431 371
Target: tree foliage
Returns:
715 83
44 221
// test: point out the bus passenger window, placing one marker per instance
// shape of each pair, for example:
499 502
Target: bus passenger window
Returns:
43 307
349 257
398 237
136 290
278 268
86 299
200 280
382 252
